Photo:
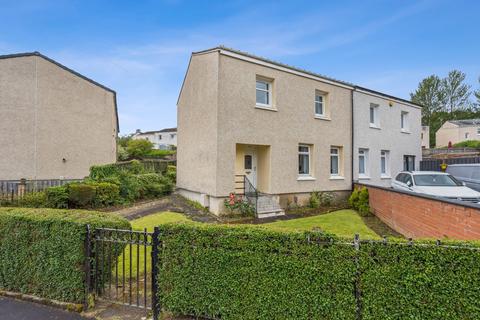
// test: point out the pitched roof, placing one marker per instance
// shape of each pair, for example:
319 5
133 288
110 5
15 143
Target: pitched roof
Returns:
345 83
466 123
157 131
38 54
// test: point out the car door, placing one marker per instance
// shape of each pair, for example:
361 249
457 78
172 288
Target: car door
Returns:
408 182
399 183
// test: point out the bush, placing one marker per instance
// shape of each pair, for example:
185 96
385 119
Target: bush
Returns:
42 250
81 195
139 148
314 201
468 144
122 153
359 201
251 273
171 173
239 205
33 200
158 154
244 273
419 282
56 197
107 194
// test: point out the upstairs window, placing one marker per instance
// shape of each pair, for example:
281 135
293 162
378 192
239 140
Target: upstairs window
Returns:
159 137
404 121
374 117
264 92
466 135
320 106
303 160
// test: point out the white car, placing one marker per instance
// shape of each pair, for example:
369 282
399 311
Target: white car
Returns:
438 184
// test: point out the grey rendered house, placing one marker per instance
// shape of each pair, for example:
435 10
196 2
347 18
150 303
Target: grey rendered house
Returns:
246 121
55 122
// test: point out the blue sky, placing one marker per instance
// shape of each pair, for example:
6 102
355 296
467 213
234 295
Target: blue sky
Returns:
141 48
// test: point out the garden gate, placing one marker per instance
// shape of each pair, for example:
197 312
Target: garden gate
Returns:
122 267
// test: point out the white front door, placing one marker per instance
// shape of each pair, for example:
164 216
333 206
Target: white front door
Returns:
250 166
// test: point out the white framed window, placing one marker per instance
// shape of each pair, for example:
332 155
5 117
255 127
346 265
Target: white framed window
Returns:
320 104
374 116
159 137
363 163
478 131
335 161
263 92
385 163
304 160
466 135
404 121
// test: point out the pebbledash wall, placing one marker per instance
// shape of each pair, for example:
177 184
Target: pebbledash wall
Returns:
423 216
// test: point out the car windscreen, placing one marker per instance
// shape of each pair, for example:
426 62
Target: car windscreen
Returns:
436 180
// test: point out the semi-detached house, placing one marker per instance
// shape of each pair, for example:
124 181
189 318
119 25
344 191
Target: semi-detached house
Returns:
247 123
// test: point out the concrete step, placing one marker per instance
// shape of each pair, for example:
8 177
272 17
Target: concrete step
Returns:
270 213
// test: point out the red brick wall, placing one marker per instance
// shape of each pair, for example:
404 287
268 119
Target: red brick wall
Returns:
421 217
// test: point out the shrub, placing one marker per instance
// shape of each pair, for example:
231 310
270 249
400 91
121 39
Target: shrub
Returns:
326 198
122 153
56 197
158 154
139 148
239 205
81 195
171 173
33 200
358 200
314 201
42 250
251 273
107 194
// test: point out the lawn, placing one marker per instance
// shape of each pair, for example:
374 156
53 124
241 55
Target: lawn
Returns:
343 223
157 219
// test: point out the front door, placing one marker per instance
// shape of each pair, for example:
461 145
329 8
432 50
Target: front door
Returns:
409 163
250 166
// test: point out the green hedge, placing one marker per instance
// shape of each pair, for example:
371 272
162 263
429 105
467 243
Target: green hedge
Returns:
419 282
244 273
42 250
247 273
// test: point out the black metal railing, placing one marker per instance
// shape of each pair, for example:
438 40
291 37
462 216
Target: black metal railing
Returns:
251 193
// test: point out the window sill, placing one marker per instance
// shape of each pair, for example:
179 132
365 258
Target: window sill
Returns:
322 117
265 107
363 178
375 127
405 131
385 177
336 178
305 178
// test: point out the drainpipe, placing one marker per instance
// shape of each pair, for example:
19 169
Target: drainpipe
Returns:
353 136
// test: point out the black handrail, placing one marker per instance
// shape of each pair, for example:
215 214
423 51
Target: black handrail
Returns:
251 193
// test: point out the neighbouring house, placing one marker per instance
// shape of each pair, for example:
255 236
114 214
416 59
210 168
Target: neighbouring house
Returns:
455 131
248 123
425 137
387 134
55 123
165 139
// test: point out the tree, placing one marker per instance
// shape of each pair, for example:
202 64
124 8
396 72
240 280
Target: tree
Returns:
430 95
477 94
139 148
457 93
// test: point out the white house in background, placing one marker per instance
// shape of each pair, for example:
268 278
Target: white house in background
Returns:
425 136
386 139
164 139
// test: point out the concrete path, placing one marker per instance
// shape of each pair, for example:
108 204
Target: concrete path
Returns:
11 309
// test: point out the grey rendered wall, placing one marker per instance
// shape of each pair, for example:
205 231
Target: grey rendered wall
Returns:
388 137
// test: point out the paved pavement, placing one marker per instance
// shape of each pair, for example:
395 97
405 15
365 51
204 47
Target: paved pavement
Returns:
11 309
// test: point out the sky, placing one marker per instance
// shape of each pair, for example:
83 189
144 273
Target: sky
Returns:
141 49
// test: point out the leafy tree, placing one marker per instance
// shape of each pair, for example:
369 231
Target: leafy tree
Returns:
477 94
123 140
139 148
457 93
430 95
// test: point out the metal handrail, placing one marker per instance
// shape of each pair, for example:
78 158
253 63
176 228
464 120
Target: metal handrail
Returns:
251 192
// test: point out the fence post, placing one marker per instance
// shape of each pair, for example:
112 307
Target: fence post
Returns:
88 266
358 305
156 307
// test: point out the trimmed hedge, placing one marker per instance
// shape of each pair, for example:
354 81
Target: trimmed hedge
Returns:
243 273
419 282
42 250
252 273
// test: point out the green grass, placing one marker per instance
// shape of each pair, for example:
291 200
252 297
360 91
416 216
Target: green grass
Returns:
157 219
343 223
